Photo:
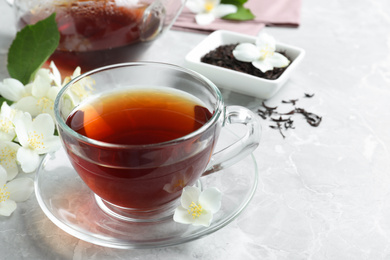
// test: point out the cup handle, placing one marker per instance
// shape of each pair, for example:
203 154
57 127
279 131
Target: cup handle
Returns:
242 147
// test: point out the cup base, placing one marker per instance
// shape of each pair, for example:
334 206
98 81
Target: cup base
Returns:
136 215
133 215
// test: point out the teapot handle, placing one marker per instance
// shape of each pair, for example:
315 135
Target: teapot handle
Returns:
159 17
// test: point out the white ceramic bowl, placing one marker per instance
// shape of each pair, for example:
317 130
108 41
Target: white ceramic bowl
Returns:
234 80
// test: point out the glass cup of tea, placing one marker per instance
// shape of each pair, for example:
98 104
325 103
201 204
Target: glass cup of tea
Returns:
138 133
91 31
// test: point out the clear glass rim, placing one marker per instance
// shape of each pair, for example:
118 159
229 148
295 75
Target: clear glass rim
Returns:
213 88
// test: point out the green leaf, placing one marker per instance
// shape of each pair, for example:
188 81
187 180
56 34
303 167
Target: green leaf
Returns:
242 14
234 2
31 47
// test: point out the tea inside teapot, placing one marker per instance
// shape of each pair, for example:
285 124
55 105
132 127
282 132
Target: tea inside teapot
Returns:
94 33
91 25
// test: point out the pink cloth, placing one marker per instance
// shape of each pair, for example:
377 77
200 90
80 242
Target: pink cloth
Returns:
267 12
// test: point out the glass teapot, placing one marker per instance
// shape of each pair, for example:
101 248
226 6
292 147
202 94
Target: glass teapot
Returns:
88 27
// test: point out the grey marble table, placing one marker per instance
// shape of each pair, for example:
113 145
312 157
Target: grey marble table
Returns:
324 192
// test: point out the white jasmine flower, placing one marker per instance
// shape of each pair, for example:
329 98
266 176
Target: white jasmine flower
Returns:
12 89
17 190
179 181
76 73
42 95
36 137
262 55
45 74
55 75
198 207
8 151
208 10
7 129
81 89
77 92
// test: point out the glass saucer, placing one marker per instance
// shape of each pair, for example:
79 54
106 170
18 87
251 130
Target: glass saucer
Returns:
69 204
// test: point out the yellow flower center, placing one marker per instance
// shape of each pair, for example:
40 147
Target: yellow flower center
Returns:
195 210
7 156
208 6
5 125
179 184
266 52
80 91
36 140
44 103
4 194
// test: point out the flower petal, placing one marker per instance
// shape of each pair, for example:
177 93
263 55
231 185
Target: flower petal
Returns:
224 9
7 207
278 60
20 189
7 136
246 52
28 104
7 130
6 110
28 89
195 6
51 144
204 219
213 2
52 93
12 89
76 72
22 124
3 177
43 124
8 151
40 86
190 194
28 159
56 75
181 216
210 199
204 18
265 42
12 171
45 74
263 65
